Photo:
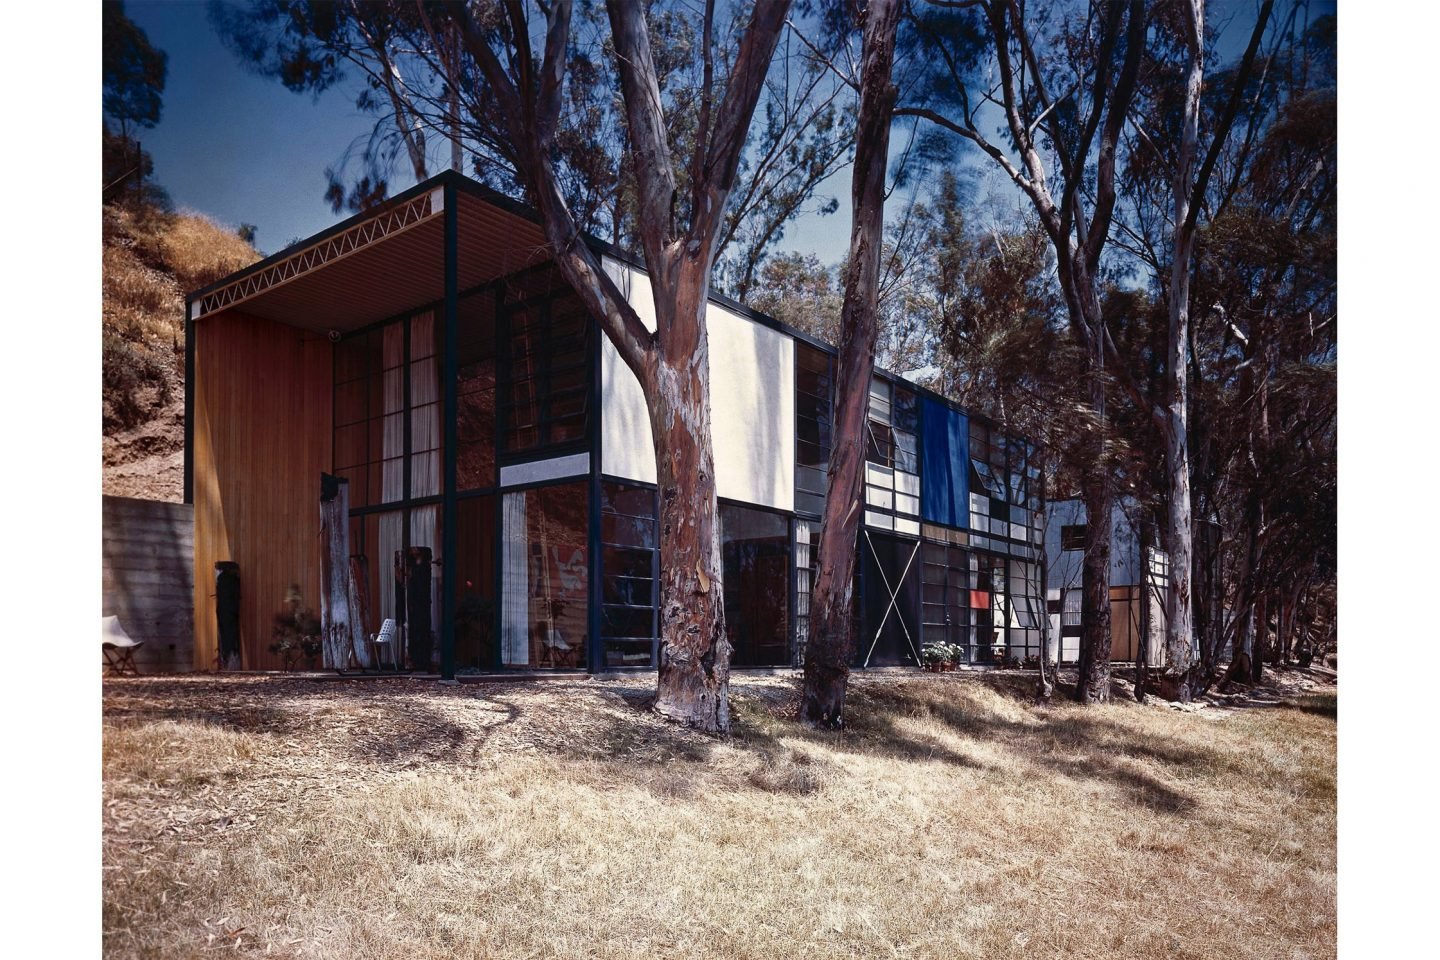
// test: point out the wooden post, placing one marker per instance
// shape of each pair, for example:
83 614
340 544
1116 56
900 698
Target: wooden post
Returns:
418 634
227 614
360 610
335 572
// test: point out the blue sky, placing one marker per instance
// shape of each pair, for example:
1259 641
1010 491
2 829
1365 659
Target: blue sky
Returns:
243 149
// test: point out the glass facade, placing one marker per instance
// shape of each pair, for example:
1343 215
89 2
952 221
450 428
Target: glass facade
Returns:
544 582
523 580
755 547
629 560
814 416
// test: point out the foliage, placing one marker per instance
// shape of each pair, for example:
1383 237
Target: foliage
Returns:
133 382
409 71
133 71
937 652
296 631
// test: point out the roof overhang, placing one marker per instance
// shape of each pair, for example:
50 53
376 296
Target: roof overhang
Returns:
383 262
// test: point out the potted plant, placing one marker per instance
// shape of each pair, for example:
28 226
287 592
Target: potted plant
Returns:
296 633
939 657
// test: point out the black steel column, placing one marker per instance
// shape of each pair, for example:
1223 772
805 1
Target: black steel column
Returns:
189 327
449 514
595 653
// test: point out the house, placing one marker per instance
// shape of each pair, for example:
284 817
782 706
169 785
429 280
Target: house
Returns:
1134 610
499 471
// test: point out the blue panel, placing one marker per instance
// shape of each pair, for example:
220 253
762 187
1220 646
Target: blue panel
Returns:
945 464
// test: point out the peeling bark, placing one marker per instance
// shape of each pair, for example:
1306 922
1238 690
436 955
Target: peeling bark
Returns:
831 645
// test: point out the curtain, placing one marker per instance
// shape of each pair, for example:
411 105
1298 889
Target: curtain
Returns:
515 584
392 476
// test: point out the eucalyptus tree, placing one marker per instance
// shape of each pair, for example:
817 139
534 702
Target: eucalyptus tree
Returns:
1062 79
678 231
831 644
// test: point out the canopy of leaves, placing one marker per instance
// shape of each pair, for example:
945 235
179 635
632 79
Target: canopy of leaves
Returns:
133 71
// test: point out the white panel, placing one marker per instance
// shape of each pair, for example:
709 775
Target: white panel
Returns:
978 521
879 476
907 526
880 498
752 410
904 504
979 504
574 465
873 519
752 404
626 448
907 483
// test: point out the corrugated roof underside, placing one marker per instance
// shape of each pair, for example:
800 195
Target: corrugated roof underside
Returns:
403 271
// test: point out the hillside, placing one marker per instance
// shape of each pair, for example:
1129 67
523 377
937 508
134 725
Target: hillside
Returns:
150 258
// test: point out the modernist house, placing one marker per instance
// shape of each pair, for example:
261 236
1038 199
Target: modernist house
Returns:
1138 581
429 353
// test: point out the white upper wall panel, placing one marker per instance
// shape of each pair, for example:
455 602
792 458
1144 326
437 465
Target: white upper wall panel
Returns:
625 445
752 401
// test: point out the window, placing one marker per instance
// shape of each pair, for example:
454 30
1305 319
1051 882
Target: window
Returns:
945 596
544 602
814 400
475 389
892 481
628 625
547 362
755 546
474 572
807 548
1072 537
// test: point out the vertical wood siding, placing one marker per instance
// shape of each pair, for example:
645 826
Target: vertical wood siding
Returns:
147 573
262 437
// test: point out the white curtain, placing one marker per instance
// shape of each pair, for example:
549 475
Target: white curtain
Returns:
390 539
392 477
802 585
425 408
515 584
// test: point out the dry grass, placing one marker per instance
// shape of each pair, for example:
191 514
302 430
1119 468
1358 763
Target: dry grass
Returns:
299 818
150 259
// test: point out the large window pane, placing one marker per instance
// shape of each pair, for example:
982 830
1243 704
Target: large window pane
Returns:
545 585
628 605
545 577
756 550
474 572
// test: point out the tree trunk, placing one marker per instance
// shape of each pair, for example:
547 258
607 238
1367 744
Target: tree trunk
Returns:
419 634
831 644
1045 688
360 610
1142 653
1179 610
1094 681
335 572
1260 646
694 687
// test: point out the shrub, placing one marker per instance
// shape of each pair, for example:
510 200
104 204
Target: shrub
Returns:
127 372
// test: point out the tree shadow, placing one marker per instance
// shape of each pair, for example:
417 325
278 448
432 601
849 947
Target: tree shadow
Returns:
1044 740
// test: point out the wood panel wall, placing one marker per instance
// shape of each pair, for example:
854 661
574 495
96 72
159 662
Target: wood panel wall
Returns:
147 578
262 437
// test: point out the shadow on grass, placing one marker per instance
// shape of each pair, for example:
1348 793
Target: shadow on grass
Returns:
1078 747
1319 704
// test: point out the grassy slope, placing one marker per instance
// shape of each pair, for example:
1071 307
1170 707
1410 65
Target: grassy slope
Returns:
149 261
396 819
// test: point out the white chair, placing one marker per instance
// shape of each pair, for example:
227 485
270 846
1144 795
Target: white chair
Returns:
118 648
383 644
